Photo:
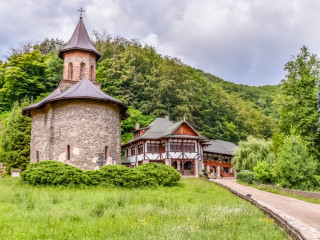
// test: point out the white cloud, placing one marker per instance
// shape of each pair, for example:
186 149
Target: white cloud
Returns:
245 41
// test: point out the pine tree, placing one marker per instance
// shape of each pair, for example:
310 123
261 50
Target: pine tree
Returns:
15 138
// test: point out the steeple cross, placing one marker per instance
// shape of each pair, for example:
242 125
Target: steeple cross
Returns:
81 11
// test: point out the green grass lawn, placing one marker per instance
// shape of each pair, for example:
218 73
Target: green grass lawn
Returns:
278 191
195 209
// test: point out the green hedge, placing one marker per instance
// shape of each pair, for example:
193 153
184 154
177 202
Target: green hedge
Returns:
159 174
247 177
59 174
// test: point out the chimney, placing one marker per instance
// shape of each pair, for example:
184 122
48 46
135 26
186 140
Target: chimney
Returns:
166 117
137 126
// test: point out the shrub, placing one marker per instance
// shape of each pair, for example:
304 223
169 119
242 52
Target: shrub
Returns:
159 174
54 173
57 173
263 172
247 177
121 176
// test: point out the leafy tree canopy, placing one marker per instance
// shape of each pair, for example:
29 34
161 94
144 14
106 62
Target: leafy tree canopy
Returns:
252 151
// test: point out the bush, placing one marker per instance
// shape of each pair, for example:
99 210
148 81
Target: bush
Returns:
159 174
263 172
56 173
121 176
247 177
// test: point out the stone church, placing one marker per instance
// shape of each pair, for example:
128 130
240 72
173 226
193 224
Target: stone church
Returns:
77 123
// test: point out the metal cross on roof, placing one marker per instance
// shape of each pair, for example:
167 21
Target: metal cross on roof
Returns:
81 11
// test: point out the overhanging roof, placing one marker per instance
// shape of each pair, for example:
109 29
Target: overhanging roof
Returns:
164 128
221 147
84 89
80 40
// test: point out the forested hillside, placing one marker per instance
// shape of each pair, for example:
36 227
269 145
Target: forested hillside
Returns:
151 84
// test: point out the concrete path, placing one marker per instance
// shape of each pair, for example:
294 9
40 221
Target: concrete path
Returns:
302 215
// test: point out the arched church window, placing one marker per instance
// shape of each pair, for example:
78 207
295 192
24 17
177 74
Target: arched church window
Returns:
82 71
91 73
70 71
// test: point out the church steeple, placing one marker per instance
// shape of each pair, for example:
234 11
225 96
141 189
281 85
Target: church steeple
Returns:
79 56
80 40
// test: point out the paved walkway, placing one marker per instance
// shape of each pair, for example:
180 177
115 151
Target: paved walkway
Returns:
302 215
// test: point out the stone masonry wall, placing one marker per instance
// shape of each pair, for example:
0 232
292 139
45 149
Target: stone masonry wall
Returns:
87 126
76 57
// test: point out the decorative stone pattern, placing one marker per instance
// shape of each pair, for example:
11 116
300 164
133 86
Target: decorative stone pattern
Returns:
87 126
76 57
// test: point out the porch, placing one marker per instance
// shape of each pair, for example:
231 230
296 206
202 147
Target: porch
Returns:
186 167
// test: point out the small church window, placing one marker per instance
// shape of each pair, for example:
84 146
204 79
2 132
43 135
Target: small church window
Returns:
37 156
70 71
106 152
82 71
91 73
68 152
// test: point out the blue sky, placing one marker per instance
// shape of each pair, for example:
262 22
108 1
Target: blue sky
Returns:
243 41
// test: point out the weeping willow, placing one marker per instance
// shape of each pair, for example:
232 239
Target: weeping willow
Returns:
250 152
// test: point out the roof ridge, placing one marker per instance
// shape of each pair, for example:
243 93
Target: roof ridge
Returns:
73 90
78 32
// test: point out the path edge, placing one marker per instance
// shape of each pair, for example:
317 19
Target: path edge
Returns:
281 222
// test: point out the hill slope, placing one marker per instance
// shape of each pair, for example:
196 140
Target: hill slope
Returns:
152 85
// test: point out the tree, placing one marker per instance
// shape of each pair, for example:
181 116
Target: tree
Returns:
128 125
294 167
28 75
15 138
249 153
297 99
50 46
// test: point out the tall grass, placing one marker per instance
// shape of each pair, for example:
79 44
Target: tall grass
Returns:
192 210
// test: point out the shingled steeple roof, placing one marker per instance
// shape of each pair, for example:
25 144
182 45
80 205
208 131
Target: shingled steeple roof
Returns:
80 40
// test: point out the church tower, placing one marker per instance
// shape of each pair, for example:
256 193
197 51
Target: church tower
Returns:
79 57
77 123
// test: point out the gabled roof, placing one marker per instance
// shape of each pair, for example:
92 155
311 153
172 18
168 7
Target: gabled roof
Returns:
80 40
221 147
84 89
162 127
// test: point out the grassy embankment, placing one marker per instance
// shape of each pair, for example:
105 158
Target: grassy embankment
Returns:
193 210
278 191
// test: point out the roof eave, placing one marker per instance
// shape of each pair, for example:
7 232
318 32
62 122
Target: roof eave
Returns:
60 55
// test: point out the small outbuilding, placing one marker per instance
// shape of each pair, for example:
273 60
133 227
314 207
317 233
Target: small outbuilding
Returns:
217 158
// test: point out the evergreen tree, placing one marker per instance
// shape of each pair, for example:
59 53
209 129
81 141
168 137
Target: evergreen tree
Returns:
15 138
